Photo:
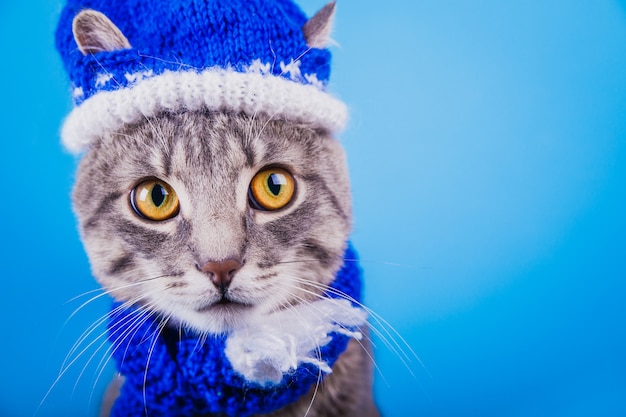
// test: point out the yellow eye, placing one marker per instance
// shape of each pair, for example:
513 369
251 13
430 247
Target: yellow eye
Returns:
271 189
154 200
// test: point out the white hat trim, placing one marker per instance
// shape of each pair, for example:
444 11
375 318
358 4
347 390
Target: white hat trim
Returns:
213 89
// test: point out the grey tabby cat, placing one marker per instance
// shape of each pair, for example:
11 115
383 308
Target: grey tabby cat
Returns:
174 217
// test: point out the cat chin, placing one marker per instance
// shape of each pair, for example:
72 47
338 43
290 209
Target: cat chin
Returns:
214 319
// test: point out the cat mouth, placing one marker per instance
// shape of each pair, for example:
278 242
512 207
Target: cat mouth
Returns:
225 305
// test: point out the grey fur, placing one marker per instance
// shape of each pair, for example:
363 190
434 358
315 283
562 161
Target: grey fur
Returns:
94 32
317 29
287 255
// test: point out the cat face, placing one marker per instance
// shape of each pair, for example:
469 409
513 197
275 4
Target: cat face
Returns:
210 218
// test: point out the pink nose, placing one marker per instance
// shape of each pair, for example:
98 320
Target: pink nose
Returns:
222 272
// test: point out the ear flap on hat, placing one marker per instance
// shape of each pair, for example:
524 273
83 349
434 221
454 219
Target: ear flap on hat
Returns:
317 29
94 32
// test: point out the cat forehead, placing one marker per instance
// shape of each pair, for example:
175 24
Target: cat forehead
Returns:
213 139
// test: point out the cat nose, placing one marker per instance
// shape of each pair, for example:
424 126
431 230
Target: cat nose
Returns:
222 272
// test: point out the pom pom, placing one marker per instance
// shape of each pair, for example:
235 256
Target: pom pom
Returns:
274 345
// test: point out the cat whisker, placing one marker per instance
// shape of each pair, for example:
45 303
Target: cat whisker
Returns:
367 352
122 135
156 58
249 135
267 122
143 313
318 383
305 301
84 336
388 335
108 354
67 365
317 351
131 326
379 319
76 352
298 58
93 355
155 336
86 293
103 318
102 344
370 261
106 292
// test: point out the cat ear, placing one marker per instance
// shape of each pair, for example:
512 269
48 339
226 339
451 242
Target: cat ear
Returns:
94 32
317 29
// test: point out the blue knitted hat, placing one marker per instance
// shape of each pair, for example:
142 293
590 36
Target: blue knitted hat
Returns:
235 55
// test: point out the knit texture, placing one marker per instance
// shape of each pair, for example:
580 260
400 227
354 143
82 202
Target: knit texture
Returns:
237 55
181 374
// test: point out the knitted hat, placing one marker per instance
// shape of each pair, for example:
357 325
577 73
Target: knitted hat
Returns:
132 59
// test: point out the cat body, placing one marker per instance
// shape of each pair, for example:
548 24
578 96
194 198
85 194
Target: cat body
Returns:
208 217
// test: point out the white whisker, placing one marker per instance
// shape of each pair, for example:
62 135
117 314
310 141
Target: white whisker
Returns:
317 351
370 356
106 292
80 348
108 354
361 261
103 318
155 337
387 333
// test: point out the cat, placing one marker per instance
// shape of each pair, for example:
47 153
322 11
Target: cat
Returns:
210 159
211 218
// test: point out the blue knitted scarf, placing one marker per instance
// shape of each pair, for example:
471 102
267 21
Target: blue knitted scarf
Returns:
179 374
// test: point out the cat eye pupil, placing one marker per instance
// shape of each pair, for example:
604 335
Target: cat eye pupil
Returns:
275 183
158 195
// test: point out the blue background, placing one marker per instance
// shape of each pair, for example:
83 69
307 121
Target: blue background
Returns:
487 148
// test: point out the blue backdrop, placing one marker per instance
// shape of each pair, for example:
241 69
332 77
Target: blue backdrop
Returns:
487 147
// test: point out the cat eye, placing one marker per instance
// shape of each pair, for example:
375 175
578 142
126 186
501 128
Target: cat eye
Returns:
154 199
271 189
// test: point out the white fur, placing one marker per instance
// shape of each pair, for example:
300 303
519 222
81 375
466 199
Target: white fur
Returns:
270 346
213 89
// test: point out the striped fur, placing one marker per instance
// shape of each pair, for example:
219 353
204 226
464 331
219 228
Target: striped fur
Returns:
209 159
